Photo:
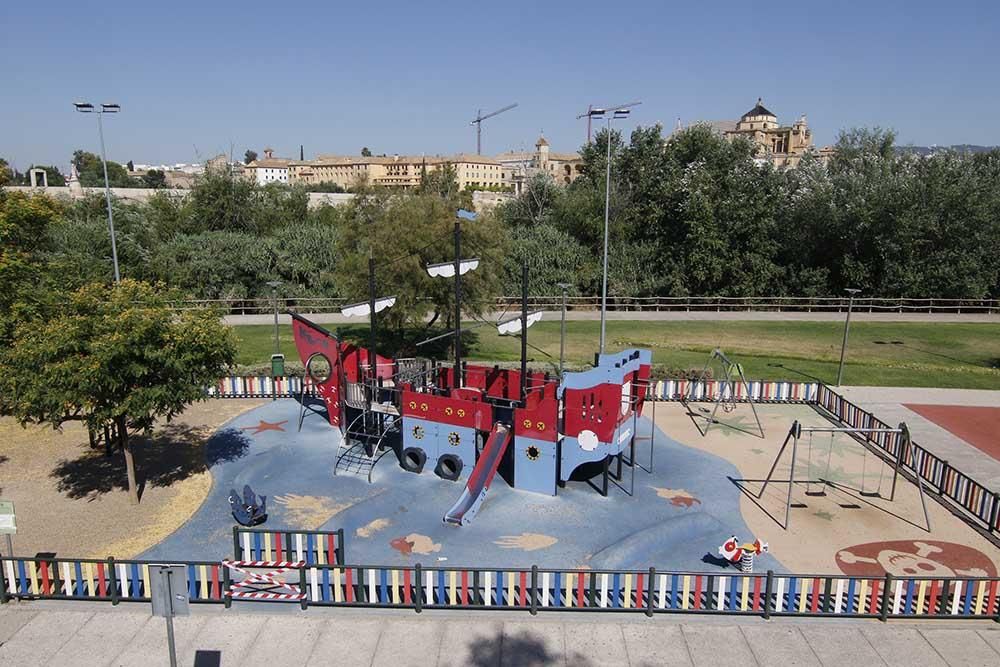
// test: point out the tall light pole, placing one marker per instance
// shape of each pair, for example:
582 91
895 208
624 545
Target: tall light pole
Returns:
847 325
562 327
618 113
87 107
274 285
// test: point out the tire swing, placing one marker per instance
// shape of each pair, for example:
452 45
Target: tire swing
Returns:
448 467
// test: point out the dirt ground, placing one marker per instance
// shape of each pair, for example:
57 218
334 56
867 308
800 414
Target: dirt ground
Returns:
844 530
72 500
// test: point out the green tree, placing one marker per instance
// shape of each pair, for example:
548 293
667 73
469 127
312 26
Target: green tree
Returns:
115 355
155 178
91 171
249 156
5 172
366 152
24 239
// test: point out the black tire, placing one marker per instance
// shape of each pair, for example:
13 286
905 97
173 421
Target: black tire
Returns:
448 467
413 460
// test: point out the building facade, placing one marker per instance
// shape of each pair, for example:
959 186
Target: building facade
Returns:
397 171
268 169
519 167
781 145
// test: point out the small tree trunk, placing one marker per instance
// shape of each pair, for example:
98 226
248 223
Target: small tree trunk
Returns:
107 440
126 447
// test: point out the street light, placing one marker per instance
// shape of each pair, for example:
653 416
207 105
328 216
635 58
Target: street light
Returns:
87 107
617 113
274 285
562 326
847 325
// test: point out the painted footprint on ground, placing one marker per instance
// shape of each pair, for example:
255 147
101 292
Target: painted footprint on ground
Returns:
415 543
526 541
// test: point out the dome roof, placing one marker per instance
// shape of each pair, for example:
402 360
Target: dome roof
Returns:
759 110
541 142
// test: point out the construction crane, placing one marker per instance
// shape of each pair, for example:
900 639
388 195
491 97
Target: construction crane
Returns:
478 122
591 109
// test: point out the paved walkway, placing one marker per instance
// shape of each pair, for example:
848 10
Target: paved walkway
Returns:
888 404
51 633
650 316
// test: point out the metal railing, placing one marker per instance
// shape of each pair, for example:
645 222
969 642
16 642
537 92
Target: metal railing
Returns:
719 304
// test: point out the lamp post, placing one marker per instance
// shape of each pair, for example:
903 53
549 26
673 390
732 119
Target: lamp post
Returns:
274 285
847 325
612 113
87 107
562 326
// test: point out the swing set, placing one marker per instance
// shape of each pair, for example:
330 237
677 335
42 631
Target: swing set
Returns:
816 486
729 377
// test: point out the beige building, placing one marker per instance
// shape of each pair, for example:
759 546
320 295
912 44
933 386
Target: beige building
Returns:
564 168
781 145
397 171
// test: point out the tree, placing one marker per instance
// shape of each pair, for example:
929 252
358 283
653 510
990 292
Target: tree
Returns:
5 172
365 152
91 171
249 156
131 167
114 355
155 178
24 238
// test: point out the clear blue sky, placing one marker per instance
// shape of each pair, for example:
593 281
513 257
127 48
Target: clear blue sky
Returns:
195 77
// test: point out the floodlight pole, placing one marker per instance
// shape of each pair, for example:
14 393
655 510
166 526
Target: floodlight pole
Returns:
847 327
607 209
562 328
86 107
273 284
458 304
373 368
524 331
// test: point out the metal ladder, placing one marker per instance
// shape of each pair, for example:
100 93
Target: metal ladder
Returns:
363 445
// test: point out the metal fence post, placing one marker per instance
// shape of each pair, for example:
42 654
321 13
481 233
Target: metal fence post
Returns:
768 589
302 583
418 594
944 477
3 584
113 580
227 587
534 590
884 609
340 546
649 592
992 527
237 551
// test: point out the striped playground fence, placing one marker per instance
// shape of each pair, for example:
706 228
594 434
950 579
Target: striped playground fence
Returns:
710 390
530 589
313 547
979 505
94 579
259 386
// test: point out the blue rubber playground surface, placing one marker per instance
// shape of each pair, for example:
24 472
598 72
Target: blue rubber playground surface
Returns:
676 520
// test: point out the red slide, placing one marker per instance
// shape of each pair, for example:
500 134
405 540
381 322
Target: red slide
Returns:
464 511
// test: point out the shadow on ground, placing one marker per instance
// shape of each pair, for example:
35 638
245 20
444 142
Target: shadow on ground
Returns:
174 453
525 651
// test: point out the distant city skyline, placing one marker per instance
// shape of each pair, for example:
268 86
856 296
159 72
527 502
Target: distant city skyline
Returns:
198 79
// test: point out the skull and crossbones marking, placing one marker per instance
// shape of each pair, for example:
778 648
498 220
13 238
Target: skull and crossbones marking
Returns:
912 564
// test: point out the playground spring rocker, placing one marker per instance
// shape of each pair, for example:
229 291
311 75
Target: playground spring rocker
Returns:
731 383
817 486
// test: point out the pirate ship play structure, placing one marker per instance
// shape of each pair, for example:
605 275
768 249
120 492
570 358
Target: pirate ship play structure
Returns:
536 430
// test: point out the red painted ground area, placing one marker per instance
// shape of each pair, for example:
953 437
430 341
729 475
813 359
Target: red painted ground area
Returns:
979 427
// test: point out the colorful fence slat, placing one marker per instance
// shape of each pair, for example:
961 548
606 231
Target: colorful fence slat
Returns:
314 547
711 390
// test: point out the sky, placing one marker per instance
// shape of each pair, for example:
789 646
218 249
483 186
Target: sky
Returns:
196 79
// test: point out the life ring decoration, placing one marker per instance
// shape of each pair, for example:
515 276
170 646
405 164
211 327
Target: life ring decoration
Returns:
527 423
454 439
449 410
418 432
460 412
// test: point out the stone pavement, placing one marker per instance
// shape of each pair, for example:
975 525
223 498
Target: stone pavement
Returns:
887 403
667 316
83 634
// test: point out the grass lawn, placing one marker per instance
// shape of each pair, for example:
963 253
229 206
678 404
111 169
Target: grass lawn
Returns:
914 354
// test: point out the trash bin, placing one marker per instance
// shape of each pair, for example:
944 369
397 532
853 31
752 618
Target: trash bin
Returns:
277 365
